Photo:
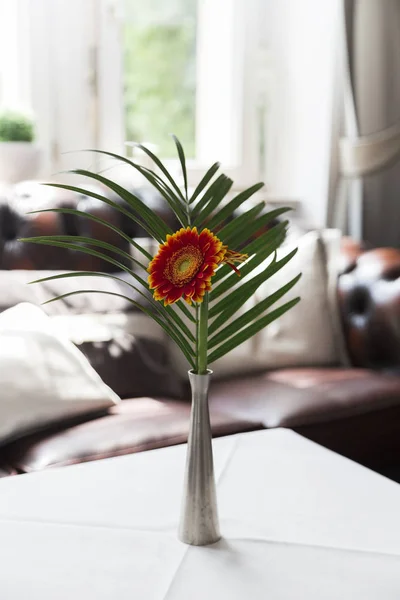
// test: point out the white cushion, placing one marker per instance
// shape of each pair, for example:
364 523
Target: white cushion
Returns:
97 327
44 378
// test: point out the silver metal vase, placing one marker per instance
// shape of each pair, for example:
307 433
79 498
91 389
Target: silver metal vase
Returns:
199 518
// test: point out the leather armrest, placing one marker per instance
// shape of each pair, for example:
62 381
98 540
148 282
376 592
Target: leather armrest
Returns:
6 470
369 298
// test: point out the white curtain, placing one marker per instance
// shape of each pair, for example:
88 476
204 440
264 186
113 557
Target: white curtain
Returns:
367 202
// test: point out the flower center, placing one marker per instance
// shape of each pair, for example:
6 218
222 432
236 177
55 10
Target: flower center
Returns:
183 265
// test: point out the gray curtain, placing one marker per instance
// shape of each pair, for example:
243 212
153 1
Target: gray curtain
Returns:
367 203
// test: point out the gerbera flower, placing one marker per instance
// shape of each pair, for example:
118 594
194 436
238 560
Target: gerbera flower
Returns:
185 263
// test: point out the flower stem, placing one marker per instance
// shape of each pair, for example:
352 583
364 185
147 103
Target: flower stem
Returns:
202 336
197 339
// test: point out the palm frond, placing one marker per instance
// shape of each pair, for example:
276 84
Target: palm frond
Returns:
251 330
254 228
253 232
182 160
251 315
76 242
160 165
227 233
204 181
211 198
228 210
96 219
231 302
172 316
188 353
70 245
174 201
148 216
128 213
258 251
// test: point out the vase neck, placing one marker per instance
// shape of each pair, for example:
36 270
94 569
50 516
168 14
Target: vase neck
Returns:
200 383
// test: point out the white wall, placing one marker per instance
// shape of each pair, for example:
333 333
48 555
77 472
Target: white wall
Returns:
15 89
301 36
56 79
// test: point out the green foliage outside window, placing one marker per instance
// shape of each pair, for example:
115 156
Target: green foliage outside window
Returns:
160 78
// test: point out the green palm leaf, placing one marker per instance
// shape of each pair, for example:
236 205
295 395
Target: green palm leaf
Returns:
251 314
254 228
251 330
258 251
74 243
207 207
229 209
160 165
162 310
174 201
90 217
204 181
211 199
228 232
231 303
133 217
182 160
148 216
172 334
55 241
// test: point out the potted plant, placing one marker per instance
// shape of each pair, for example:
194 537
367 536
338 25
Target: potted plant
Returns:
194 288
19 155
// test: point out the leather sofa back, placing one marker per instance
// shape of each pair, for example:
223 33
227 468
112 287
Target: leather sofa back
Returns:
369 298
17 222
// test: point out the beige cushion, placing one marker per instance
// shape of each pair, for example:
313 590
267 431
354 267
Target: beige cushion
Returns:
307 335
304 336
44 378
332 241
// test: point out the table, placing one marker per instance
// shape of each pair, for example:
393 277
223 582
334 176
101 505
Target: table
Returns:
299 522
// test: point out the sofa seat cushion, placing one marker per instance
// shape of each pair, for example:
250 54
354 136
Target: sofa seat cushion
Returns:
294 397
132 426
6 470
355 412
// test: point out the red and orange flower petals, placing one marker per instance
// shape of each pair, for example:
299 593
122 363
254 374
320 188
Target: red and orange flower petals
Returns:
185 264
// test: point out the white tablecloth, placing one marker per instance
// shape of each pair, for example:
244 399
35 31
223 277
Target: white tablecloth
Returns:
298 521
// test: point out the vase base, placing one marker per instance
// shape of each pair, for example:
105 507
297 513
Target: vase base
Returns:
199 541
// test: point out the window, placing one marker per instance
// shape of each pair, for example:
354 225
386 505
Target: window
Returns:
189 67
109 71
250 83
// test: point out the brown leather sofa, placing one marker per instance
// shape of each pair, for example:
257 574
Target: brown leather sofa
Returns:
354 410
